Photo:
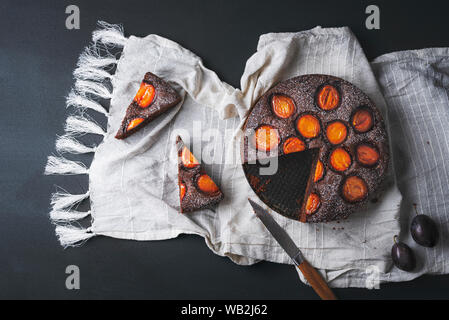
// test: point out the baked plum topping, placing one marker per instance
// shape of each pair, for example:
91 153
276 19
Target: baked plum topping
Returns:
266 138
293 144
362 120
312 204
145 95
206 184
308 126
282 106
336 132
182 190
328 98
367 155
319 171
188 159
354 189
134 123
340 159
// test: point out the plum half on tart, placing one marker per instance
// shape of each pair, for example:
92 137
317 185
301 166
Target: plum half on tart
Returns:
322 115
196 189
154 97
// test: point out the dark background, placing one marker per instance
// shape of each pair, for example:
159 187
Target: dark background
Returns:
37 56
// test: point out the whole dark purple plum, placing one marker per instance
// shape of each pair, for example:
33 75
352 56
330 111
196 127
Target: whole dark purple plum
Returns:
424 230
403 257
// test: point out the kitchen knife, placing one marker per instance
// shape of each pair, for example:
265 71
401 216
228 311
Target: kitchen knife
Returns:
312 276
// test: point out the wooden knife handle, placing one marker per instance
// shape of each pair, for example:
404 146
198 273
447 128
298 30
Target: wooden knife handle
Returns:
316 281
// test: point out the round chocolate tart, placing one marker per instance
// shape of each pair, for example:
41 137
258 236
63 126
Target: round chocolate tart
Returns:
337 121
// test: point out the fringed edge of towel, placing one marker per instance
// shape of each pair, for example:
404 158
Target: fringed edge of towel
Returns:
92 81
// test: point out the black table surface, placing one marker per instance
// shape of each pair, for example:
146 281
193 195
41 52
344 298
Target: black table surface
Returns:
37 57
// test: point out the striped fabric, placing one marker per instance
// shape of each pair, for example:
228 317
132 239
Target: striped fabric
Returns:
415 85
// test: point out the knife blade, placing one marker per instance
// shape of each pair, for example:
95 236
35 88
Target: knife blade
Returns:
278 233
312 276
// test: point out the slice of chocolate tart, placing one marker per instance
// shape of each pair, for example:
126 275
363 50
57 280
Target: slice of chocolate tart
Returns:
284 182
196 189
154 97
